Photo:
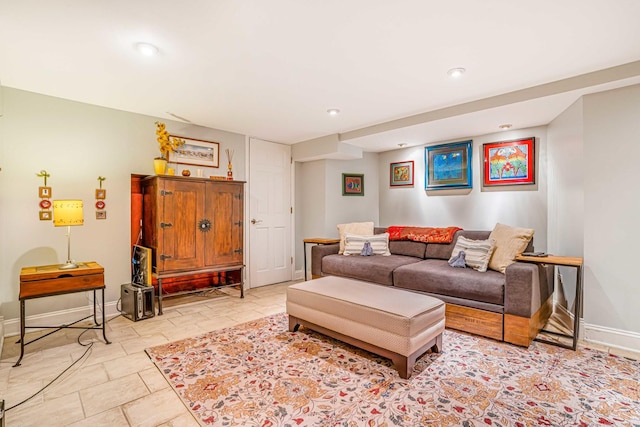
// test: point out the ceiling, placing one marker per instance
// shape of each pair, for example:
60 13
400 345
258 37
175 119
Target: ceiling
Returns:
271 69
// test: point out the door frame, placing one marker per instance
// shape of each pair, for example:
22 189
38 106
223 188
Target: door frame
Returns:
247 210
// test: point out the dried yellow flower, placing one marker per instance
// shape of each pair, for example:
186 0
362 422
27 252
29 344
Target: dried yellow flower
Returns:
167 143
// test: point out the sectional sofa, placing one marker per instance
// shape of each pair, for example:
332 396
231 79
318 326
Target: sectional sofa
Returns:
512 306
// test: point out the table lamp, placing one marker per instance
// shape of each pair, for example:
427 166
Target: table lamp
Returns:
65 214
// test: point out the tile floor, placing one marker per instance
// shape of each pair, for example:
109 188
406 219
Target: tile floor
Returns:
117 384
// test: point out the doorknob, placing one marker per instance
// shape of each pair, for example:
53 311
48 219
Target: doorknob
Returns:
256 221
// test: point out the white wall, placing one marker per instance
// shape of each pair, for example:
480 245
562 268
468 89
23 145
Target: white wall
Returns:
566 194
476 209
612 209
76 143
320 205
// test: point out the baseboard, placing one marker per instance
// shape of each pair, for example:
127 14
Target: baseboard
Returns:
625 340
12 326
298 275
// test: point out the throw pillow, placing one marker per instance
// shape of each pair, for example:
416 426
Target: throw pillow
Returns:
510 242
379 243
361 228
477 253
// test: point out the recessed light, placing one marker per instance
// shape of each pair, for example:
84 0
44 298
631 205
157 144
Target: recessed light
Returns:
505 126
333 111
402 144
456 72
147 49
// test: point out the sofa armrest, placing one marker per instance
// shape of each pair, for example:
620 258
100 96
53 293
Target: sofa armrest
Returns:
527 287
318 252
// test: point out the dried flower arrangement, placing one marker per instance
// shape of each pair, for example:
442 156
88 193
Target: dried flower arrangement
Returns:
167 143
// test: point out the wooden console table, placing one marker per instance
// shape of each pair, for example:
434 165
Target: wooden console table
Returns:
50 280
315 241
563 261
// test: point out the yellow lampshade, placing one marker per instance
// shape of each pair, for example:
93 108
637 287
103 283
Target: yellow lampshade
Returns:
67 213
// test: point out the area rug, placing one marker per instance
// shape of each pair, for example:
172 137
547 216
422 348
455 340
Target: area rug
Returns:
259 374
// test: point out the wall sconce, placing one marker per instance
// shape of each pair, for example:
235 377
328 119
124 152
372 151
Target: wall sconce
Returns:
67 213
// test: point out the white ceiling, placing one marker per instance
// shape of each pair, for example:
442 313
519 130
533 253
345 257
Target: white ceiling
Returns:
271 69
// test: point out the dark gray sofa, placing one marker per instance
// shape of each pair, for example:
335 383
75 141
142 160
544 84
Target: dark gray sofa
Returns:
510 307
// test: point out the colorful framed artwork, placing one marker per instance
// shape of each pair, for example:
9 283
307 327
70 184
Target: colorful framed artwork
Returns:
196 152
448 166
45 215
101 214
401 174
509 162
101 193
352 184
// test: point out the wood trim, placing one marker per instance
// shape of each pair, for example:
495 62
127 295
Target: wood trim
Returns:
475 321
522 330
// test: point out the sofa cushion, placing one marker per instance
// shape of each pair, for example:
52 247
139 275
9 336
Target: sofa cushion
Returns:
477 252
437 277
361 228
376 268
444 250
408 248
510 241
354 243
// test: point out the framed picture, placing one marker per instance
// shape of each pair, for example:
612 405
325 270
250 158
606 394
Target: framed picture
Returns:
141 271
196 152
101 214
45 215
509 162
352 184
401 174
101 194
448 166
44 192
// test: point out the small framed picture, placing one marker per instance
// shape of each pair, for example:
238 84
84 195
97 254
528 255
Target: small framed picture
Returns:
352 184
401 174
45 215
101 194
44 192
101 214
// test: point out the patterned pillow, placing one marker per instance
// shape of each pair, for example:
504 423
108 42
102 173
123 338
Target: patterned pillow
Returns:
361 228
477 252
510 241
354 243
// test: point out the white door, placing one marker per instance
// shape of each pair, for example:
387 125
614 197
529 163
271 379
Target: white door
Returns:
269 220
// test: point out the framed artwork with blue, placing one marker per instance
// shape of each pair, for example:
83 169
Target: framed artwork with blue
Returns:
352 184
509 162
448 166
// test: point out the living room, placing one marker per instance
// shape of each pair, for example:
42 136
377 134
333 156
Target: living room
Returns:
582 203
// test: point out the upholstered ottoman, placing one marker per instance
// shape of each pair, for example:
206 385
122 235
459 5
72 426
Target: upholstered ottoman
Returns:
393 323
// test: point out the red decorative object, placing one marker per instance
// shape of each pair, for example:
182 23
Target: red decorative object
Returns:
100 204
422 234
45 204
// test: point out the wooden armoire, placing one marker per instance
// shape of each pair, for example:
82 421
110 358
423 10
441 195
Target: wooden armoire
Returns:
193 225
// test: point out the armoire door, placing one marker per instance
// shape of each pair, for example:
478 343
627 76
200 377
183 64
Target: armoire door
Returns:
182 246
224 209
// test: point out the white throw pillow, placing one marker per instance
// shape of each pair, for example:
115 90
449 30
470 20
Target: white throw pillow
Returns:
361 228
477 253
354 243
510 242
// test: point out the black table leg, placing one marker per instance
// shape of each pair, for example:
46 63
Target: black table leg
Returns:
22 329
104 323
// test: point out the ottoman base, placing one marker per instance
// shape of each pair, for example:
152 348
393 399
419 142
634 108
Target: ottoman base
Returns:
404 364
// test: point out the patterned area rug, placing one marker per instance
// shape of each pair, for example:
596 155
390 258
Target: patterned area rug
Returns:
259 374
